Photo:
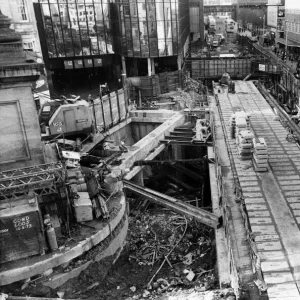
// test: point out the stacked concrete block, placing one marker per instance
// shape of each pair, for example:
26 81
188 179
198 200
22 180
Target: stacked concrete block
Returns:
239 121
260 155
244 143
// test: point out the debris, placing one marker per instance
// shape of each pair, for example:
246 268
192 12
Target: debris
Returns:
188 259
190 276
25 284
146 294
209 296
48 272
261 285
60 294
92 286
133 289
186 223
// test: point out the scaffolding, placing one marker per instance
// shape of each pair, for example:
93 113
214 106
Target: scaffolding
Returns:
41 179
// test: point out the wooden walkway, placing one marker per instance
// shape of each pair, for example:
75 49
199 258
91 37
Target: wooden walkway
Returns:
272 199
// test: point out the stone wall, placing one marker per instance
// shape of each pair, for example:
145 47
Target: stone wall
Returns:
20 140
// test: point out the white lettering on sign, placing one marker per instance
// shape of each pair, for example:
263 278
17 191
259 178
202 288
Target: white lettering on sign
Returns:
22 223
57 123
89 61
69 62
59 129
80 62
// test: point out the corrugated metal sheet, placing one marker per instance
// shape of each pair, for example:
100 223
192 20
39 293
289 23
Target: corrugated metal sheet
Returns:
215 67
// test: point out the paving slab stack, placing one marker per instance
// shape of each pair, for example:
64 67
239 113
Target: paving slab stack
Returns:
260 155
239 121
244 142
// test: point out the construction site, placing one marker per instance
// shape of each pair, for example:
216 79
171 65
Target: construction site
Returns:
179 184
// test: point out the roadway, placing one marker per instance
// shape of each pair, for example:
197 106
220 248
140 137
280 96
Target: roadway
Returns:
271 199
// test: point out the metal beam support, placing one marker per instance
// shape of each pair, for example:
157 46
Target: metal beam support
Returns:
186 143
187 172
180 138
183 184
169 161
174 204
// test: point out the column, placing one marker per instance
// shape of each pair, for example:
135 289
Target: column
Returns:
149 66
123 65
153 66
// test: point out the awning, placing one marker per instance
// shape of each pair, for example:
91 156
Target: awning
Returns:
290 42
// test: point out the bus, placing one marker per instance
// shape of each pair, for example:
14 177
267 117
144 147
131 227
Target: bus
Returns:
229 25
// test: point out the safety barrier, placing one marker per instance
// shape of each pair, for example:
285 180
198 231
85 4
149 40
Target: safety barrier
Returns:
110 109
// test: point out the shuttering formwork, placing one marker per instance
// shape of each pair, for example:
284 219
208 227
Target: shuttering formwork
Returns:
110 109
215 68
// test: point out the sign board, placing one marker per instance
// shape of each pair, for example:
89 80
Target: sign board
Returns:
97 62
88 63
68 64
78 64
281 18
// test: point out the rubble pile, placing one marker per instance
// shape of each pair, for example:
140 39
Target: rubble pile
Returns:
181 251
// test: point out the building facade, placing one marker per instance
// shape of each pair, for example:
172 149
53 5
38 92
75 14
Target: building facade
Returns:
100 39
272 13
292 11
23 21
252 2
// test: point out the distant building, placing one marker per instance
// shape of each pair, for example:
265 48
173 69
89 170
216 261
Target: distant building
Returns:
292 15
23 21
272 13
252 2
212 2
97 39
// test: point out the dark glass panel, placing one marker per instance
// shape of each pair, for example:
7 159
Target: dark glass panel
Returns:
49 31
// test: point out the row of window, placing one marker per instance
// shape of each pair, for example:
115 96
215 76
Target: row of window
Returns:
136 28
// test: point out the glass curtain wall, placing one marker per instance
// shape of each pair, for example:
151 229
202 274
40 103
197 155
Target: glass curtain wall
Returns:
146 28
77 27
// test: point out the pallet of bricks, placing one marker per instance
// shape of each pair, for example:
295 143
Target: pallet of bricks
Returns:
244 143
260 155
241 117
244 136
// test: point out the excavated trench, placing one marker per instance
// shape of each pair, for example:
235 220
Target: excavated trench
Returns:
156 233
165 251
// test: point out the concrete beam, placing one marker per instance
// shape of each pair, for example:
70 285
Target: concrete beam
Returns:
117 243
222 252
159 113
58 257
142 148
150 156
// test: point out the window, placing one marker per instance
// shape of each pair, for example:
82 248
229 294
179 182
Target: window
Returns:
22 10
